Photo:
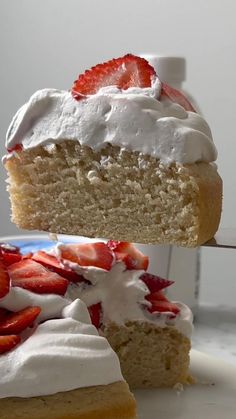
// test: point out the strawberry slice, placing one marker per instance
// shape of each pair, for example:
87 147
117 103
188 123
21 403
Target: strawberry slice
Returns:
34 277
161 304
127 253
52 263
4 278
8 342
95 314
88 254
10 254
17 148
176 96
3 313
15 323
123 72
155 283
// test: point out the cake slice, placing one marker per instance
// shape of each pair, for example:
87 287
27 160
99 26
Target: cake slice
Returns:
53 363
121 156
127 305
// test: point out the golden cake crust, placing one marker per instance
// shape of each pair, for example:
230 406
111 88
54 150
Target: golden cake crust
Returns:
113 401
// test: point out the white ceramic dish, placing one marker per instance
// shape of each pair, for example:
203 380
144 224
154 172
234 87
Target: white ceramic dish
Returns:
213 397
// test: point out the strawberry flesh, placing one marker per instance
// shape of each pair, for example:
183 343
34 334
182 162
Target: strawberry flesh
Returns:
161 304
154 282
8 342
52 263
4 278
123 72
89 254
15 323
34 277
127 253
95 314
10 254
176 96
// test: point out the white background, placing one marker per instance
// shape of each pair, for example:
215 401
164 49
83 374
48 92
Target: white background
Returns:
48 43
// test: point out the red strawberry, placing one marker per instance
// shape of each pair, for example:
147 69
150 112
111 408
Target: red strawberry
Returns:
176 96
54 265
34 277
10 254
8 342
160 303
124 72
4 278
15 323
95 314
155 283
3 313
88 254
127 252
17 147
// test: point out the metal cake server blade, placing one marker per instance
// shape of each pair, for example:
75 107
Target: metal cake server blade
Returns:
224 238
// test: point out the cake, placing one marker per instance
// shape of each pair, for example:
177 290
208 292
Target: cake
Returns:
127 305
122 155
53 363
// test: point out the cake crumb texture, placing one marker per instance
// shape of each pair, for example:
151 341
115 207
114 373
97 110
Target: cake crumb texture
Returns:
113 401
113 193
150 356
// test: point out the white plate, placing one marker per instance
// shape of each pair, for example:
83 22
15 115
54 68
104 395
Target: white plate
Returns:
214 397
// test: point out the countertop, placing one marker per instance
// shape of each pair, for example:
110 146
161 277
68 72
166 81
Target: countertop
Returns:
215 331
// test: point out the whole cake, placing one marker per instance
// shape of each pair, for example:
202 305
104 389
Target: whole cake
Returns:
53 363
122 155
149 333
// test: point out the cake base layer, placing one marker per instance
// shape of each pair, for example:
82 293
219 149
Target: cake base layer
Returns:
117 194
150 356
113 401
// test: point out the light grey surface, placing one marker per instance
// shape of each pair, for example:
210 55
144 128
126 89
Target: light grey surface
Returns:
47 43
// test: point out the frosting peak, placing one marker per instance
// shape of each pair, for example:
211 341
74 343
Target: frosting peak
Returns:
133 119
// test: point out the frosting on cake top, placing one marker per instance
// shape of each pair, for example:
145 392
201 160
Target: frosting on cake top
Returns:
135 119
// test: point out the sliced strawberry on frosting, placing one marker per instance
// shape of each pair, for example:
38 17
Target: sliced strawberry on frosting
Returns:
4 278
123 72
88 254
95 314
34 277
10 254
160 303
52 263
129 254
8 342
15 323
176 96
155 283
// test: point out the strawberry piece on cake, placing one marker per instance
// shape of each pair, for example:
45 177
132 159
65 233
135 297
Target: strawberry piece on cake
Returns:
15 323
124 72
89 254
129 254
34 277
8 342
4 278
95 314
51 262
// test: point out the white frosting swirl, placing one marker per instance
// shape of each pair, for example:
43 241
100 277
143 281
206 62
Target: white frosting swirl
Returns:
122 296
132 119
60 355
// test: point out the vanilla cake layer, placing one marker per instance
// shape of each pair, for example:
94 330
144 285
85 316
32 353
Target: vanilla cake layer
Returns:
113 401
150 356
114 193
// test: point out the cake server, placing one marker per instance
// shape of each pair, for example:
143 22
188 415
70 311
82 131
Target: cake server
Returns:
224 238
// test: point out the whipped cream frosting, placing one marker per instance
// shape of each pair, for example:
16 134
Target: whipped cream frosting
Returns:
122 295
60 355
133 119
